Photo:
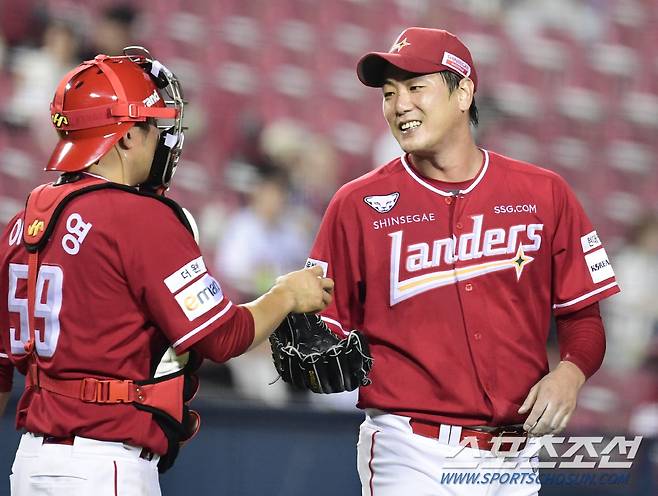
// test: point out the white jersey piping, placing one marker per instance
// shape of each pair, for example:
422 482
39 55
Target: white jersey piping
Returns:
585 296
422 182
202 326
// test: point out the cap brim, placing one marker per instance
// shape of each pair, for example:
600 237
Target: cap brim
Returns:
371 69
76 150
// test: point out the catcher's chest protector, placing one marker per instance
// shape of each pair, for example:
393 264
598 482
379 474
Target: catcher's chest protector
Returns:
167 396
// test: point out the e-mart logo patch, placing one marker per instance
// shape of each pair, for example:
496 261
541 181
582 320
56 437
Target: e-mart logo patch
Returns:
200 297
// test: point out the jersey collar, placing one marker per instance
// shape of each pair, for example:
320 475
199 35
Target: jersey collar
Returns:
97 176
427 185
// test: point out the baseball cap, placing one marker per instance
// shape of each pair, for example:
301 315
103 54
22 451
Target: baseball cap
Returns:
420 51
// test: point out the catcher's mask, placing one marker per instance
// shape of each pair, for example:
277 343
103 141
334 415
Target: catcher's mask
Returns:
99 101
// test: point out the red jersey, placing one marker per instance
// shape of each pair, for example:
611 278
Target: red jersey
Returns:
455 289
120 280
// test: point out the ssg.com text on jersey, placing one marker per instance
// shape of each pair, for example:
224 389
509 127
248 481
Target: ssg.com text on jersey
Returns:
511 209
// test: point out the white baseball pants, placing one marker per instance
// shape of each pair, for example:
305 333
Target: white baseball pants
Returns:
86 468
392 461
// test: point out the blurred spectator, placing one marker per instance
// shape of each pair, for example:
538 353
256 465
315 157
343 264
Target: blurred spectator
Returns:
309 159
253 377
632 317
36 72
112 32
266 238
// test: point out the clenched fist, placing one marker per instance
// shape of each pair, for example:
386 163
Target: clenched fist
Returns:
308 290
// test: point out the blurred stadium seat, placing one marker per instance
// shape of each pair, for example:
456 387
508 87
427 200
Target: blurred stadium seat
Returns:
295 59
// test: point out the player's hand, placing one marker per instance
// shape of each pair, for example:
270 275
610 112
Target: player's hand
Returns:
552 400
308 290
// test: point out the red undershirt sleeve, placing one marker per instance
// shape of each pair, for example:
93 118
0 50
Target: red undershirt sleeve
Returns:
581 338
229 340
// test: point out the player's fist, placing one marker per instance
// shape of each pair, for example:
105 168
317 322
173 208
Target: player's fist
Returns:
308 291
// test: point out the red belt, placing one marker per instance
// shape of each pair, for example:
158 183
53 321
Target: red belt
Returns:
89 389
68 441
486 440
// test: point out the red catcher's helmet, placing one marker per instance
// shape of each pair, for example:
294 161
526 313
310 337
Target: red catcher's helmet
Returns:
96 104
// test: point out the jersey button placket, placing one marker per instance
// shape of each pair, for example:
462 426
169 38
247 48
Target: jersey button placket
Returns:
448 200
468 287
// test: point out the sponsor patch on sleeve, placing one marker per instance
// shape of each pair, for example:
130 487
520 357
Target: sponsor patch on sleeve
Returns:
599 265
200 297
186 274
590 241
312 262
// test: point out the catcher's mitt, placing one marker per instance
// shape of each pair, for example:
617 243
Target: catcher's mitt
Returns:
309 356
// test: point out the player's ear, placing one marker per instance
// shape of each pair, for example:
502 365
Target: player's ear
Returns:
465 92
132 138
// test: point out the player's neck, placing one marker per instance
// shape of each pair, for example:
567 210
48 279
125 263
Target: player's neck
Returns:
455 163
112 168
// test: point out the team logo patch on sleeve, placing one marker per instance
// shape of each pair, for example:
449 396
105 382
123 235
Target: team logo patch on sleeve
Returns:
311 262
382 203
590 241
186 274
599 265
200 297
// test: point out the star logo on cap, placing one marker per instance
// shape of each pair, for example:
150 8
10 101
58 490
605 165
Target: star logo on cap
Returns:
400 45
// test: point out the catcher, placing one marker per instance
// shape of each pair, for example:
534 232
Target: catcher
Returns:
100 276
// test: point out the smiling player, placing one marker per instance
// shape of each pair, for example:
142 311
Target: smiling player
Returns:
451 260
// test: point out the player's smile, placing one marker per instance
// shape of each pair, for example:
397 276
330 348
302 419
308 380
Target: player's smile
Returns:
409 126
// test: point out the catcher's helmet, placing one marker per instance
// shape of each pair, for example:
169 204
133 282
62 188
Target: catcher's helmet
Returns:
99 101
